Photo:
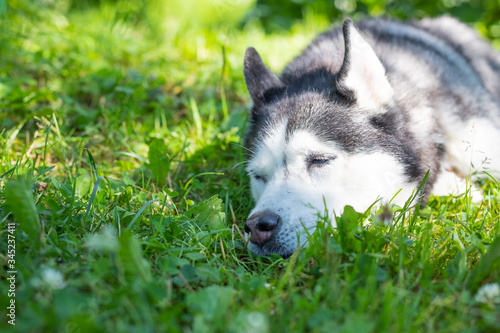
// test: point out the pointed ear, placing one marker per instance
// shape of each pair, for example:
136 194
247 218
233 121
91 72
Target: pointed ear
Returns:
258 77
362 76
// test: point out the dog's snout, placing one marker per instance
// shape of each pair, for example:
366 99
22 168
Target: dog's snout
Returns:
260 226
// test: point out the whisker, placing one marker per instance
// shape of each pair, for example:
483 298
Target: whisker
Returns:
238 164
245 148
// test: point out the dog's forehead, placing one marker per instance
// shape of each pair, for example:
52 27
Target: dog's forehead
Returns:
314 118
304 142
280 147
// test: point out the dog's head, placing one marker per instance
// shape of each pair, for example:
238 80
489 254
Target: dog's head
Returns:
321 141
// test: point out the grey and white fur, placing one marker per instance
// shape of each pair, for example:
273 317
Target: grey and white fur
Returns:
364 112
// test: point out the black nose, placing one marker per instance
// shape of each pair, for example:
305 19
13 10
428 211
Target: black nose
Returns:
260 226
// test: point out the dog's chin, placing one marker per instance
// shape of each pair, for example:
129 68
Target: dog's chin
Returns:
285 251
287 255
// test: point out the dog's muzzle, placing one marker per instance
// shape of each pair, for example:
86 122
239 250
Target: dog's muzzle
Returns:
262 226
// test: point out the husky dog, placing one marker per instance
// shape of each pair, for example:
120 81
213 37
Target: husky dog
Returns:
362 114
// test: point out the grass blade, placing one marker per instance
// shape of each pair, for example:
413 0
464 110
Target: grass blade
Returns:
92 163
92 196
486 265
159 162
8 172
139 213
47 139
196 117
19 201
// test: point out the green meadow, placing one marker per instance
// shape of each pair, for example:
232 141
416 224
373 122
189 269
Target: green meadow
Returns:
123 191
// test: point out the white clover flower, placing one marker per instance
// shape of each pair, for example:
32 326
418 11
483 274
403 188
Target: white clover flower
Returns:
53 279
49 279
269 286
105 240
488 294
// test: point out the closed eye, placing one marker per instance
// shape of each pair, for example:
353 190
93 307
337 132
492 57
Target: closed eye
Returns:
318 161
259 177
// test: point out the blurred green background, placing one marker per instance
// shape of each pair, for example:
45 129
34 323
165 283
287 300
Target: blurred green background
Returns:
68 37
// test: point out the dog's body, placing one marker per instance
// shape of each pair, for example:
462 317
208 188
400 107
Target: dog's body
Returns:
363 113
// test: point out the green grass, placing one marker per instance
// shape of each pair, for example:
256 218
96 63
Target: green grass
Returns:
121 169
